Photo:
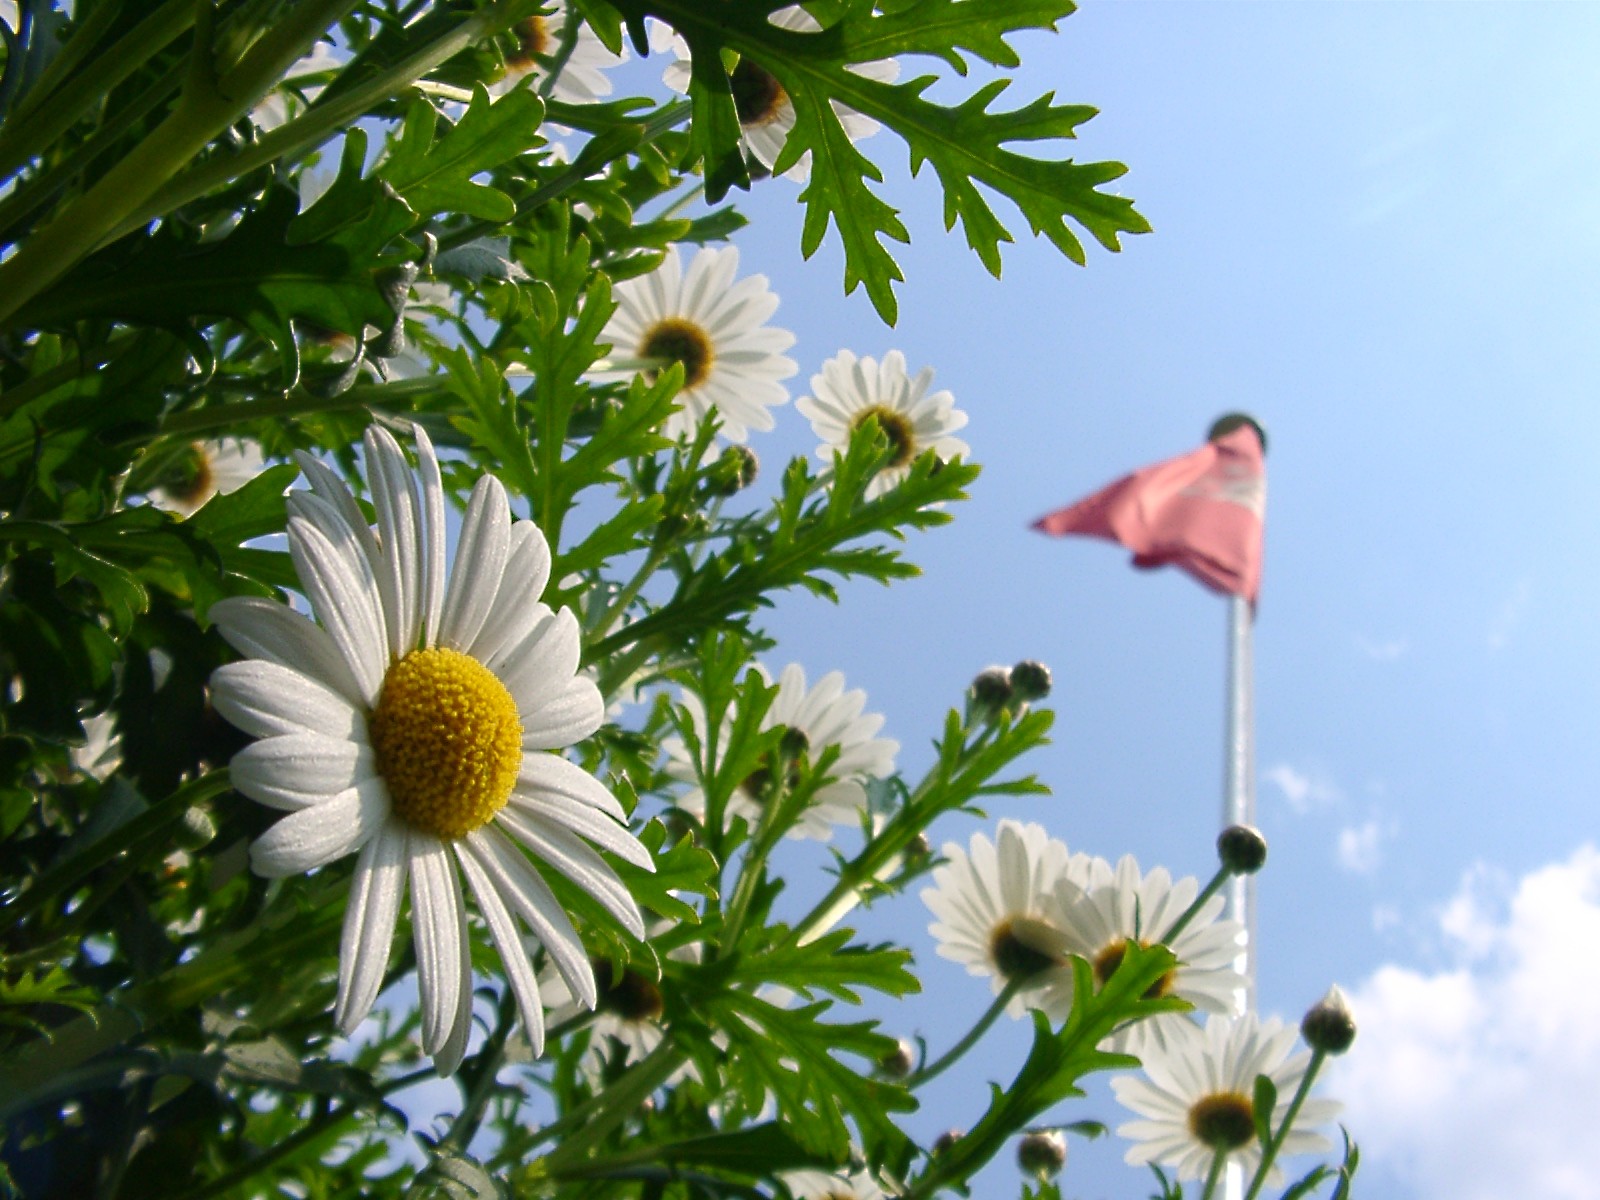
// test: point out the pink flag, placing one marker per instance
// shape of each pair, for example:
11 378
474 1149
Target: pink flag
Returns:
1202 511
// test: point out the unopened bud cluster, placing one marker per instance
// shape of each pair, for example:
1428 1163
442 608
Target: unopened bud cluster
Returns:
1042 1153
1242 849
996 690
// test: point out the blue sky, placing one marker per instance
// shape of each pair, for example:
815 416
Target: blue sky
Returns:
1374 228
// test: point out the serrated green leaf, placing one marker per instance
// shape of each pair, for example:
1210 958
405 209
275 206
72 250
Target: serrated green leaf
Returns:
434 174
830 964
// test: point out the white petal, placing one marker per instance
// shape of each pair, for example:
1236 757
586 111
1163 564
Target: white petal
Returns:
517 609
544 661
321 834
581 819
480 564
264 699
553 774
565 718
369 918
435 926
344 598
394 496
574 858
432 567
297 770
265 629
455 1045
519 884
503 929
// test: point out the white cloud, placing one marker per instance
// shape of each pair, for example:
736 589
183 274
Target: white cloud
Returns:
1509 616
1382 651
1476 1081
1360 847
1303 790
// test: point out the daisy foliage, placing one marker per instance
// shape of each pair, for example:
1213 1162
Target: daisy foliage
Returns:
381 685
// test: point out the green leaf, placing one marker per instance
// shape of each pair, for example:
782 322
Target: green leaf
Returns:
1264 1099
830 964
435 174
685 868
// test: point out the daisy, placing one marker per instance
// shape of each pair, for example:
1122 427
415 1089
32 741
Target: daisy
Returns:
628 1012
1109 908
205 470
581 78
1196 1097
825 1185
732 361
413 723
766 114
815 718
851 389
999 911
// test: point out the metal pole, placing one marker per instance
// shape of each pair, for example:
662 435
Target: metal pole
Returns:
1239 781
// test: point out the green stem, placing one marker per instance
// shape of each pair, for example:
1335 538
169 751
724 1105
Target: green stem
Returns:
1182 923
319 1126
26 138
202 112
591 1123
317 124
487 1066
630 590
154 822
223 416
1269 1152
935 1069
1219 1159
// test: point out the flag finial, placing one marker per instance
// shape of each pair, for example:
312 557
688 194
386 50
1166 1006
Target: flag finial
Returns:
1228 422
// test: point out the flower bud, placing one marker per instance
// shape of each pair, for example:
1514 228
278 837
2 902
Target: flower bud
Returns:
1242 849
1042 1153
990 692
898 1063
1030 680
734 471
1329 1026
918 848
946 1141
195 830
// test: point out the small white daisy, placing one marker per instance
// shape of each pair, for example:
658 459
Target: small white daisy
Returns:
815 718
581 79
207 469
1197 1097
826 1185
1102 913
766 114
732 360
414 721
851 389
628 1012
1000 914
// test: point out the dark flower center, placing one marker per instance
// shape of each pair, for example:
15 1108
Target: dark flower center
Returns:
757 96
631 997
1223 1120
191 481
758 783
533 41
680 341
1015 951
1109 959
895 427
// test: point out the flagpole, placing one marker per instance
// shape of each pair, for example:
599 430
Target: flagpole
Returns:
1238 789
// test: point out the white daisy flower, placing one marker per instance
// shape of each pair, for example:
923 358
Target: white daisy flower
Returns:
732 360
205 470
826 1185
414 722
1000 914
1110 908
1196 1097
815 718
628 1012
581 78
851 389
766 114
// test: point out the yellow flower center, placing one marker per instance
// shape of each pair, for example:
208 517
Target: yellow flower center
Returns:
1223 1120
193 480
448 741
757 96
894 426
533 41
1110 958
678 340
